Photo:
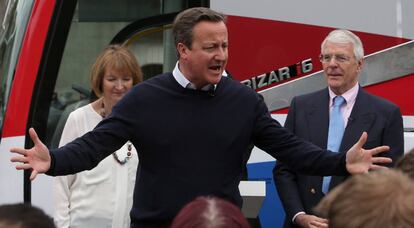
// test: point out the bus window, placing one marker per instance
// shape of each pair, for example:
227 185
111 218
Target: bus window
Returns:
13 21
93 27
154 49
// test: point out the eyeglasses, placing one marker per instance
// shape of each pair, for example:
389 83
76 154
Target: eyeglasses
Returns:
340 58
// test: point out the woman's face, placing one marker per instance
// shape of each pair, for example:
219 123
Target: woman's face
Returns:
115 84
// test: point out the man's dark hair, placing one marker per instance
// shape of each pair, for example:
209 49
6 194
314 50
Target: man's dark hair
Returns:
186 20
24 216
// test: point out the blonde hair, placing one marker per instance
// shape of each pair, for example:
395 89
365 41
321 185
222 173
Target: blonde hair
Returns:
378 199
406 164
117 57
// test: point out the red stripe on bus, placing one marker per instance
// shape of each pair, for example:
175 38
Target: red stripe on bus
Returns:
18 107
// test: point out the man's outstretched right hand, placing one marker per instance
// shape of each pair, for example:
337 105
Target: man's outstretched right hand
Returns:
37 158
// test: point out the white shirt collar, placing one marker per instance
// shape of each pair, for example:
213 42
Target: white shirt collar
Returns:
179 77
184 82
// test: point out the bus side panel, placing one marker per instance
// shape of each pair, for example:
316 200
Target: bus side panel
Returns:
15 121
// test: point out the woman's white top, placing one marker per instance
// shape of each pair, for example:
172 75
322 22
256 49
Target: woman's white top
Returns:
101 197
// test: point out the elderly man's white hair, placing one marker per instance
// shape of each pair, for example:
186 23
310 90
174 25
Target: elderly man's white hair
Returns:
343 36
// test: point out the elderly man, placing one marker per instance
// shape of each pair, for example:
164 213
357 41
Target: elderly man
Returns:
333 118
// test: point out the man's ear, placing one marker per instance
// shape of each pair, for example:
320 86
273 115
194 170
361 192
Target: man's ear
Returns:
182 50
360 65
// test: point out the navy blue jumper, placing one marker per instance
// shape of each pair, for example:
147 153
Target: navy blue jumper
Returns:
190 143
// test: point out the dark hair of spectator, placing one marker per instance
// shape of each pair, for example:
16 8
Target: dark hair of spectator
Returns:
24 216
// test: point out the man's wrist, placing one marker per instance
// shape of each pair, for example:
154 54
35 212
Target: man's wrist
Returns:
296 216
51 169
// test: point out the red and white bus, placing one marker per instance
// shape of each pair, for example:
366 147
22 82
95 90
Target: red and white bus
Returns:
47 48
